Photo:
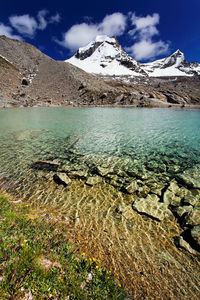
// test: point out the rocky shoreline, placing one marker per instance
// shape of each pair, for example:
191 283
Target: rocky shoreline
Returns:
174 198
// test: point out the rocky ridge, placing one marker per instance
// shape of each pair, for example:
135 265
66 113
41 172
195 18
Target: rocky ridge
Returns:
105 56
31 78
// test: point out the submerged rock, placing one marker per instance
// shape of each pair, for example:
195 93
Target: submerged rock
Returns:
104 171
152 208
62 178
45 165
190 177
173 195
78 174
183 244
181 210
132 187
195 233
94 180
192 197
193 218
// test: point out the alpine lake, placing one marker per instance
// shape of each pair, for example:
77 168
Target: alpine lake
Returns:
128 179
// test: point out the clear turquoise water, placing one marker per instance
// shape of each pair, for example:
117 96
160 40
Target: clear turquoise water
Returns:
160 136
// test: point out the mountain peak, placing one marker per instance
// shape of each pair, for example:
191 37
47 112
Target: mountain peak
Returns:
105 56
104 38
178 52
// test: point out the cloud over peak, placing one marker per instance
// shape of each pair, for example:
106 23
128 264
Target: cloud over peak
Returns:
142 31
81 34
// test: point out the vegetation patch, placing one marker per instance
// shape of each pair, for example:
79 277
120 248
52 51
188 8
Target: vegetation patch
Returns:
37 262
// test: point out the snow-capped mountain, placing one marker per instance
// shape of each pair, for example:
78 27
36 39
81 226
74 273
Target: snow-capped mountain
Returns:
105 56
173 65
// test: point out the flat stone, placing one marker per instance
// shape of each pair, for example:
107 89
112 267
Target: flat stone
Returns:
152 208
94 180
193 218
45 165
195 233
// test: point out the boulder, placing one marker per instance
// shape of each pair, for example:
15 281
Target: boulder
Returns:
25 81
152 208
195 233
119 98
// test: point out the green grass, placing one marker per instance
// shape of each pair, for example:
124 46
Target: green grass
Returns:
36 258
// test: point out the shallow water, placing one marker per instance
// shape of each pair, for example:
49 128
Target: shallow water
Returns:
151 146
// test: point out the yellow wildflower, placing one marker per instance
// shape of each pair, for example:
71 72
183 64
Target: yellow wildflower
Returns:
119 285
94 259
83 254
90 259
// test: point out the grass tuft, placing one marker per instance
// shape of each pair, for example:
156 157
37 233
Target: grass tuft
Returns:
37 261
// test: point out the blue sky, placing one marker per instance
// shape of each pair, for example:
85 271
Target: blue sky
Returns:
147 29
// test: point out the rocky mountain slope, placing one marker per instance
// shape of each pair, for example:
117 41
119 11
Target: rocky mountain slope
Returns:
30 78
105 56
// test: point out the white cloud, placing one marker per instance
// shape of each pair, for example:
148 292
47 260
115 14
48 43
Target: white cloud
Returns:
81 34
146 49
78 35
8 31
143 31
24 24
55 19
112 25
28 25
41 18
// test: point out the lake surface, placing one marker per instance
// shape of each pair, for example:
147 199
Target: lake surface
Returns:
149 135
119 146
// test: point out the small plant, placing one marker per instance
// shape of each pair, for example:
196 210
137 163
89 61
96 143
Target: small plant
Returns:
36 260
